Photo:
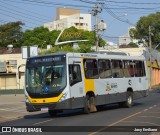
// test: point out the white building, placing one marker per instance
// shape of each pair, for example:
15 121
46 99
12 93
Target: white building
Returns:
67 18
126 39
111 45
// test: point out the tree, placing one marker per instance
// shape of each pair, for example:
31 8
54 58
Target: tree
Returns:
132 45
11 33
42 37
75 34
142 28
39 36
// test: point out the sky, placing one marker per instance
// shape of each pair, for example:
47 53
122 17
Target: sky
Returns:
118 15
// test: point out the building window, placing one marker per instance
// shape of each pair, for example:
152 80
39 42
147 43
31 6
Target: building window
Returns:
76 24
80 17
81 24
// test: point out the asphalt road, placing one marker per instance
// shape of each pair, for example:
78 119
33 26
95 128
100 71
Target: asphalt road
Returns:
145 112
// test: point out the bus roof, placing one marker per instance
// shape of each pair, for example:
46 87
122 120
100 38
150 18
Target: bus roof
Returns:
115 55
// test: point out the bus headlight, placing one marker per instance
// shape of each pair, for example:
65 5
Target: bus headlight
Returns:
26 99
63 97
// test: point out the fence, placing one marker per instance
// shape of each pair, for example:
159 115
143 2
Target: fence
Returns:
11 91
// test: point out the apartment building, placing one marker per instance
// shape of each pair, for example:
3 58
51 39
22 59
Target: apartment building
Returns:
66 18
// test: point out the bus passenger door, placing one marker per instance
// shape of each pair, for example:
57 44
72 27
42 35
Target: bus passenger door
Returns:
76 83
140 78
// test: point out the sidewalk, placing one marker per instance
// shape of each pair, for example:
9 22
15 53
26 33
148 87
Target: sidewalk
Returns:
12 98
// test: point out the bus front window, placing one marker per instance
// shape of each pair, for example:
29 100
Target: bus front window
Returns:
47 79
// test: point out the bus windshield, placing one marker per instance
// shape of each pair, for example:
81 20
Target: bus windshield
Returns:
45 79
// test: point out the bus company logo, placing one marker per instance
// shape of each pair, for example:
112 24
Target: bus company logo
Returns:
129 82
6 129
114 85
108 87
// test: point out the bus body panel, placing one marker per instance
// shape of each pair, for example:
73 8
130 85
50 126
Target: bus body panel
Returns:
112 89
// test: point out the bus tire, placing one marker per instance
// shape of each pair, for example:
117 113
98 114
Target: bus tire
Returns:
129 101
52 113
89 104
86 108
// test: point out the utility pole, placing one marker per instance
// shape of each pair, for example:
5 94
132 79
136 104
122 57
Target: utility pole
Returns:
96 26
95 12
150 57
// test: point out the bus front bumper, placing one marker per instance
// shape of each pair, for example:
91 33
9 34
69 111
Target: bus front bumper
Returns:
30 107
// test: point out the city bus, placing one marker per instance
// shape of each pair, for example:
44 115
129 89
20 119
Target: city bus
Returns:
62 81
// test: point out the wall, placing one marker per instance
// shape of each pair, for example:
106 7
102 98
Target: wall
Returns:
9 79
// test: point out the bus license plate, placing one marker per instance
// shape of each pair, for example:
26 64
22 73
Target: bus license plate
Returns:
44 109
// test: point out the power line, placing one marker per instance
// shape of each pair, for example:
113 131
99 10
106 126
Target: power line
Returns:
18 13
129 7
113 36
6 21
86 1
50 3
135 8
116 17
32 12
135 3
17 18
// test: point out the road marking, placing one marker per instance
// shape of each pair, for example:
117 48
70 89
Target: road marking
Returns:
42 122
150 107
155 105
115 123
15 108
153 112
125 118
11 103
146 110
143 122
11 118
150 117
12 111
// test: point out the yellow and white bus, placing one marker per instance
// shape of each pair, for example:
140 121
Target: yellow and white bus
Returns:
60 81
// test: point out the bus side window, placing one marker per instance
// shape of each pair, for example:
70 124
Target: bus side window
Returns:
117 69
131 68
128 68
104 68
74 74
91 68
139 69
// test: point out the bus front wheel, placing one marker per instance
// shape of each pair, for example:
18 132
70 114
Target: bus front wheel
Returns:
89 105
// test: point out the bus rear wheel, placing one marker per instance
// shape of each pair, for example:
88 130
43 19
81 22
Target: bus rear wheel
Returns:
129 101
